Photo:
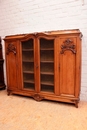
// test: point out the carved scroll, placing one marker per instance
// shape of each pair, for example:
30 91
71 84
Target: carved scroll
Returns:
11 48
68 45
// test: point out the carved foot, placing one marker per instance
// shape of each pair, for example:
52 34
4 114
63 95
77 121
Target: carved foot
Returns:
9 92
76 104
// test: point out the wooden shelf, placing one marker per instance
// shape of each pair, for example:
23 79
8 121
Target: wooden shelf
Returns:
47 73
27 50
47 49
28 81
28 72
47 83
47 61
27 61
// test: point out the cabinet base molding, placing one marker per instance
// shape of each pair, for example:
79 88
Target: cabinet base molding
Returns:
40 97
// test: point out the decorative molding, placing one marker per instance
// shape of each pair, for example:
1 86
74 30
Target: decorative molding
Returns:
37 97
68 45
11 48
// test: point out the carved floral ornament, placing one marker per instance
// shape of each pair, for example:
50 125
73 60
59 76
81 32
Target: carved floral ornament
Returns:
11 48
68 45
37 97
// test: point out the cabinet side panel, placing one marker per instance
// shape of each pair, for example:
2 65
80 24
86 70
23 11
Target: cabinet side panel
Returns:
11 65
67 67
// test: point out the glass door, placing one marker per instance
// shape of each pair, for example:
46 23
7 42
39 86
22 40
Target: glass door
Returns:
47 65
28 64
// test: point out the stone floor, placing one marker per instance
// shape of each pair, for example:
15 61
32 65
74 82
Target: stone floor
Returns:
24 113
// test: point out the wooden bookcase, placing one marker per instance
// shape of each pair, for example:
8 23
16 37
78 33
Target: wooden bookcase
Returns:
45 65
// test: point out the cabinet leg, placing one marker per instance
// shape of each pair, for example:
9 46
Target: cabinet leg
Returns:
9 92
76 104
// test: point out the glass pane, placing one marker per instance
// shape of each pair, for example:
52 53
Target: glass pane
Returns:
28 64
47 79
46 44
27 44
47 65
28 56
29 86
47 88
47 55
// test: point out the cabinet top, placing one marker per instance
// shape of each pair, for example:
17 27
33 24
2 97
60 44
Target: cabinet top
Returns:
48 33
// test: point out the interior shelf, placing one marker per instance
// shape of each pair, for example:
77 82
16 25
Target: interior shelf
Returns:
47 61
47 49
28 81
28 72
47 83
47 73
28 61
27 50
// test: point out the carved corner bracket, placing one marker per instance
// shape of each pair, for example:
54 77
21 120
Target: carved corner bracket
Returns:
11 48
68 45
37 97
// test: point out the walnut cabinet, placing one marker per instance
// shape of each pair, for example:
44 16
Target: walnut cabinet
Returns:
45 65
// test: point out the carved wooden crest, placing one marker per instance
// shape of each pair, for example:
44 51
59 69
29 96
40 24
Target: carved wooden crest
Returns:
11 48
37 97
68 45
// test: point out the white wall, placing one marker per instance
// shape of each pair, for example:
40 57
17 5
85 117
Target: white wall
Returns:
25 16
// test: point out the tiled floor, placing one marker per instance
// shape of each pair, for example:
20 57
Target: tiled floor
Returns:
24 113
